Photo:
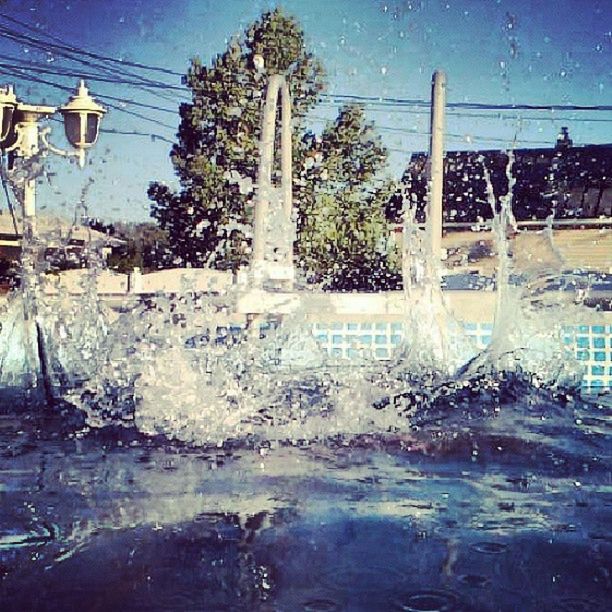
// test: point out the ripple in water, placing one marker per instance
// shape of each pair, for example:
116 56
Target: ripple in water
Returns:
320 605
474 580
429 601
489 548
577 604
366 578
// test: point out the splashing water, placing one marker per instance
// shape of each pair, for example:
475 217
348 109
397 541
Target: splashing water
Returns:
188 367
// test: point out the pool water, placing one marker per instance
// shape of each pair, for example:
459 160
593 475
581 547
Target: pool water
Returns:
503 513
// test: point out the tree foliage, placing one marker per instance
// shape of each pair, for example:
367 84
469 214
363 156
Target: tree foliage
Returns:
337 188
146 247
342 226
216 155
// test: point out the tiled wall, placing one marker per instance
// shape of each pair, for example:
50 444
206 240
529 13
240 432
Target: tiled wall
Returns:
591 343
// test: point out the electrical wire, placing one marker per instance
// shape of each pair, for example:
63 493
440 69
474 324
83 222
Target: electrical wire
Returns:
62 46
497 115
23 70
90 77
457 137
468 105
19 74
75 56
152 136
90 53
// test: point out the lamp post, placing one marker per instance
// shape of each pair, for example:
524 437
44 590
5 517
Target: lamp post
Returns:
22 134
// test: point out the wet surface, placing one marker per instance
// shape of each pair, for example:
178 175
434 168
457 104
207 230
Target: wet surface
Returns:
363 524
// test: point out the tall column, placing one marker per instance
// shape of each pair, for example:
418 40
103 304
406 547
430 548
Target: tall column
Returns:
266 160
436 165
276 86
287 162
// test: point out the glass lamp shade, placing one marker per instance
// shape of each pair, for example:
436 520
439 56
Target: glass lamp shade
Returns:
82 119
81 128
8 102
6 121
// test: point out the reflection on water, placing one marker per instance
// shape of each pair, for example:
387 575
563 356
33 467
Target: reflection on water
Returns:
461 521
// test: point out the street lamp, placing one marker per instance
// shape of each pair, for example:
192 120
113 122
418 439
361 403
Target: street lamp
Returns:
82 117
22 134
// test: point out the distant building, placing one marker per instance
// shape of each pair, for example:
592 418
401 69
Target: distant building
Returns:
66 243
572 182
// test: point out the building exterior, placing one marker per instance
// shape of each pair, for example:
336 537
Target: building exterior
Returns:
66 244
571 182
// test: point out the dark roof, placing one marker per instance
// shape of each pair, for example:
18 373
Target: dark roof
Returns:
575 182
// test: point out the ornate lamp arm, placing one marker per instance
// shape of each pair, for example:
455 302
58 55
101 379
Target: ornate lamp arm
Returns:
17 143
79 154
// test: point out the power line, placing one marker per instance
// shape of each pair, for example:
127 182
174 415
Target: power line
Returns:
490 115
468 105
91 54
152 136
68 53
90 77
19 74
69 50
104 96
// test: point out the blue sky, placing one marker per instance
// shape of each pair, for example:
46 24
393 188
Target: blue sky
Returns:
494 51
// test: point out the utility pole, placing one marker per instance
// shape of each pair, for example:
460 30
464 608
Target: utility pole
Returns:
436 166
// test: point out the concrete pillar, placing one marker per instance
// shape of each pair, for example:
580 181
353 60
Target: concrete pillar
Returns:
276 86
135 281
287 161
436 165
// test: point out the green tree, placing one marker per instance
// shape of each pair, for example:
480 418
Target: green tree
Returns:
340 198
208 219
344 236
146 247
